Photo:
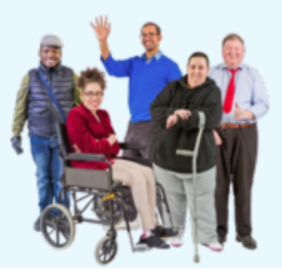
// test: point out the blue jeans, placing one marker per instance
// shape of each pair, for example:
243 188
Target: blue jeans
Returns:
49 168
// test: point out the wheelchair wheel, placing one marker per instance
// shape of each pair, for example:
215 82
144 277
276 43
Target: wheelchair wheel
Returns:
103 212
106 250
57 226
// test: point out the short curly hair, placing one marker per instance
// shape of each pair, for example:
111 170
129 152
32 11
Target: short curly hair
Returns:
91 76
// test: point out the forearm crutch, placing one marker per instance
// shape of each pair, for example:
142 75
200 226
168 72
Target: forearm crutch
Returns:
194 155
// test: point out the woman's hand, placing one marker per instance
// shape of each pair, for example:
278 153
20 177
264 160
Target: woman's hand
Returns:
217 138
183 114
102 28
171 120
112 138
77 150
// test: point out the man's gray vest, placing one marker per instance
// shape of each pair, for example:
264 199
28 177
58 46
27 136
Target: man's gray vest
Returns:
41 120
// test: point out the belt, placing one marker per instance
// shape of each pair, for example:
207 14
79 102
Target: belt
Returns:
234 125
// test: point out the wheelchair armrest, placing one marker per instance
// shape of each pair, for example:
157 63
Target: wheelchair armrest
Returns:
87 157
131 146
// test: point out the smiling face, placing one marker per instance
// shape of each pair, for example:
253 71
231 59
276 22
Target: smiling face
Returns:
233 53
150 38
92 96
197 71
50 56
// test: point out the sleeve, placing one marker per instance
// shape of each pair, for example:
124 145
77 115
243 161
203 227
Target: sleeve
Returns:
117 68
160 108
79 134
115 147
76 91
211 108
174 73
259 98
21 108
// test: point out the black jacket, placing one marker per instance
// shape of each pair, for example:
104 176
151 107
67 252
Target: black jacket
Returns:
176 95
41 120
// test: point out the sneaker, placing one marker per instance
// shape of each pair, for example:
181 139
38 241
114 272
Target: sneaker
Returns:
36 225
164 233
177 241
122 225
214 246
153 241
247 241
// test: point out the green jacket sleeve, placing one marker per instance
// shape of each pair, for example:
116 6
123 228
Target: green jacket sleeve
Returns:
21 109
76 91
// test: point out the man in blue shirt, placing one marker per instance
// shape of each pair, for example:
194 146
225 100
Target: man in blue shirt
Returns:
244 101
148 75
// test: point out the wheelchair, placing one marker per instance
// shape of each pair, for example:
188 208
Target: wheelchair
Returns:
108 197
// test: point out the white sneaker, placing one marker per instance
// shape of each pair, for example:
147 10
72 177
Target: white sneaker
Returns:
214 246
177 241
122 225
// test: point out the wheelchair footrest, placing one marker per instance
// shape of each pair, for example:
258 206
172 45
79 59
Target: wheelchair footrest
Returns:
141 248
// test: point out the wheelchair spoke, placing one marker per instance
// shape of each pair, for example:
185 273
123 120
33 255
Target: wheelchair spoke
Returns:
50 232
57 237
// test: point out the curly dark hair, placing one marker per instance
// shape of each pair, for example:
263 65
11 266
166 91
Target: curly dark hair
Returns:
91 76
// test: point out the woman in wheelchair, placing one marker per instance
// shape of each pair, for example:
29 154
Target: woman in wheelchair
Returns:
176 111
89 129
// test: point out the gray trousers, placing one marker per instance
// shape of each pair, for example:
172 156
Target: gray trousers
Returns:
180 194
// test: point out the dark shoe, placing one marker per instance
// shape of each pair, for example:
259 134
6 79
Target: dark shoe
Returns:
221 240
247 241
163 232
153 241
36 225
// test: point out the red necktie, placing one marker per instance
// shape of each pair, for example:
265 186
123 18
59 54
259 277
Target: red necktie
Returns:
227 106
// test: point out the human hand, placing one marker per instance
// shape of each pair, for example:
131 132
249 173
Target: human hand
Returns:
183 114
112 138
77 150
241 114
17 144
171 120
102 28
217 138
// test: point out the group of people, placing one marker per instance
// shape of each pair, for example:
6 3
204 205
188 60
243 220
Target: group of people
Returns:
164 106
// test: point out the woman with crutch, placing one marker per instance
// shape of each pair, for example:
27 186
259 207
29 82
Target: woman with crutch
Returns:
177 110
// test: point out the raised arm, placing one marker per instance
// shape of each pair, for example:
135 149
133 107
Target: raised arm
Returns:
117 68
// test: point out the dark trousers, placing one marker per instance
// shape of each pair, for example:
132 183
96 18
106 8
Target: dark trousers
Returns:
236 160
142 133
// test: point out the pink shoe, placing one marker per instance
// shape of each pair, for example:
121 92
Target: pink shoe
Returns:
214 246
177 241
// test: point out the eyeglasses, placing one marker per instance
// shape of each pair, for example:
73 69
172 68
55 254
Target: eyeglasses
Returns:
149 35
98 94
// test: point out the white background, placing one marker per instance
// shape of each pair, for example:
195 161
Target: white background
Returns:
187 26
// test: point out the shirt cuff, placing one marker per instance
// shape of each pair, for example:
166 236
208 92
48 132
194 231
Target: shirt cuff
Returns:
108 60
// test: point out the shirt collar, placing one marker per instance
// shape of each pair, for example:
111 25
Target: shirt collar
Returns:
156 56
241 66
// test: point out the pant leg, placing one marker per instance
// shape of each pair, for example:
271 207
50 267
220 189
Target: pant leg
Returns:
150 183
223 179
131 137
56 170
243 167
42 155
205 205
137 182
175 195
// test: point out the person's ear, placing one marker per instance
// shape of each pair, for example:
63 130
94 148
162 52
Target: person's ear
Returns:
160 37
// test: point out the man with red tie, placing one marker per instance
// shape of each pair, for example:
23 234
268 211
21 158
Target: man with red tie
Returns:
244 101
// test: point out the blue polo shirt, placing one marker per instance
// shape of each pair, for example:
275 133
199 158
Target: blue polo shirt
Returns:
147 78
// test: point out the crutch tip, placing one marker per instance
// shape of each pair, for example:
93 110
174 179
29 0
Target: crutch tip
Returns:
196 258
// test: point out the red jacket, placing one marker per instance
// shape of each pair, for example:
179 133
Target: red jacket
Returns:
90 136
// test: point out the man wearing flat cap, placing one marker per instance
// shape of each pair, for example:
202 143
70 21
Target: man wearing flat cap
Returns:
35 104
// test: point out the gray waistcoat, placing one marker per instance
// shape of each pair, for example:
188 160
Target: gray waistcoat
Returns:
61 81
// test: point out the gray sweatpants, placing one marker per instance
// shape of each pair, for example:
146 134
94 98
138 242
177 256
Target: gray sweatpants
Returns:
180 194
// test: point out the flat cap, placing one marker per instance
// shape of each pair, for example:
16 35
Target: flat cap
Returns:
51 40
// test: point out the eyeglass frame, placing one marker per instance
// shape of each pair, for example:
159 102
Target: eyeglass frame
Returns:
149 35
98 94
